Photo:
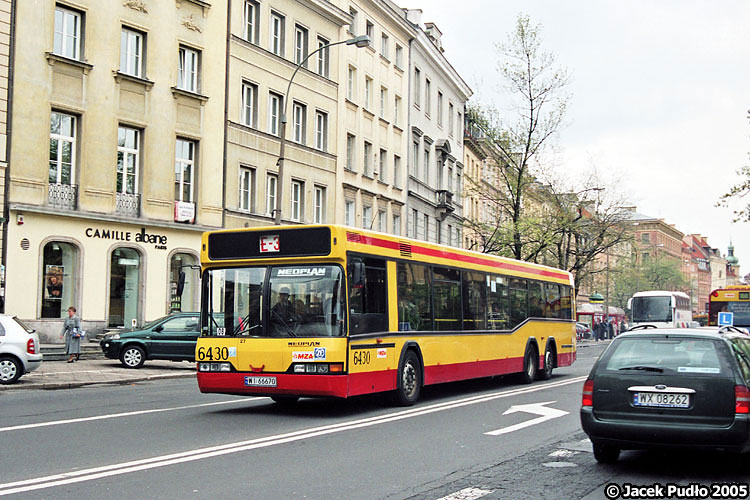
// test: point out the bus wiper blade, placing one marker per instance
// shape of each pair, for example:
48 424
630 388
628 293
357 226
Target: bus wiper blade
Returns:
644 368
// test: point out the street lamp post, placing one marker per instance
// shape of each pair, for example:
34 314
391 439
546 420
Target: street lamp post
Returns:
359 41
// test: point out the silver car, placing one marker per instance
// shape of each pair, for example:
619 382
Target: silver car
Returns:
19 349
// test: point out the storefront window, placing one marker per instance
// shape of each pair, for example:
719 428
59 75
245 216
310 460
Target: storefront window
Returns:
60 277
124 287
188 300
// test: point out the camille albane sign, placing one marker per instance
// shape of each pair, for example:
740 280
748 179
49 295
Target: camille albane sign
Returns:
158 240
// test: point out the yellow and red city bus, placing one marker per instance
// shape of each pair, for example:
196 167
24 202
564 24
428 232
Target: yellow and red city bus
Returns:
734 299
290 311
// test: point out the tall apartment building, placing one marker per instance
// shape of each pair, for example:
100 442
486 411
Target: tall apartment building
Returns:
116 165
6 48
373 141
436 106
267 40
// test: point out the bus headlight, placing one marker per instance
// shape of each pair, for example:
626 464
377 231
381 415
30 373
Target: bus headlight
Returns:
214 367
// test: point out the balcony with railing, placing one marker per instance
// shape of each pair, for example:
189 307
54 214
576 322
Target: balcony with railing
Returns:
128 204
445 203
64 196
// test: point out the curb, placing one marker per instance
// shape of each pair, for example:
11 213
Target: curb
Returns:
52 386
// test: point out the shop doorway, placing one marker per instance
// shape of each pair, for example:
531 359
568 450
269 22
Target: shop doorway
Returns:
187 301
124 287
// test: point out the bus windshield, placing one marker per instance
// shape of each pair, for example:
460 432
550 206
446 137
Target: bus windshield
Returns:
288 301
646 309
741 312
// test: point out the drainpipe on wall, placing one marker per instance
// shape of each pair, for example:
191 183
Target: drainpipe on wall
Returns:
8 133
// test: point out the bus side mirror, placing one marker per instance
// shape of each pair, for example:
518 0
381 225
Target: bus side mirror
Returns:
180 283
630 303
356 274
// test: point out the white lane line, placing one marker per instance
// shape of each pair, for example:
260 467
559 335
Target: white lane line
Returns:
120 415
467 494
215 451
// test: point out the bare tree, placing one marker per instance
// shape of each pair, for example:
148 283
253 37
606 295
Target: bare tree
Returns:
739 191
516 144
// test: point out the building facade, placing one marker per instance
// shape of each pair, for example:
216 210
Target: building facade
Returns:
372 143
654 238
266 42
116 160
436 118
697 269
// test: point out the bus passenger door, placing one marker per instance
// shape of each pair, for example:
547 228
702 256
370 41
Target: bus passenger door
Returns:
367 298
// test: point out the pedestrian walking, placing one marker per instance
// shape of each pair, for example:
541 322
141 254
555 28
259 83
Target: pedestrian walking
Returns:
610 330
72 333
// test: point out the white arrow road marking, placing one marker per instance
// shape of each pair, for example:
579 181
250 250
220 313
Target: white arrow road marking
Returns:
536 409
467 494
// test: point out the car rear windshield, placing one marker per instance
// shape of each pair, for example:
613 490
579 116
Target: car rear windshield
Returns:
669 355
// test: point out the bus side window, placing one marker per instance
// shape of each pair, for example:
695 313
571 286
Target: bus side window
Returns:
497 302
474 300
414 297
367 304
519 298
566 302
536 297
552 305
447 298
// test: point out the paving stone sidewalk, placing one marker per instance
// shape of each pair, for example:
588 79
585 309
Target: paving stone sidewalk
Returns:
63 375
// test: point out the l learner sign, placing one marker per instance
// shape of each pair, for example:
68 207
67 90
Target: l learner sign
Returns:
726 319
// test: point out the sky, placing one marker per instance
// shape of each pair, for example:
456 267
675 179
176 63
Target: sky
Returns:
660 92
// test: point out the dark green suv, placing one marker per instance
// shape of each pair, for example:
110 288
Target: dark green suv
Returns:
171 337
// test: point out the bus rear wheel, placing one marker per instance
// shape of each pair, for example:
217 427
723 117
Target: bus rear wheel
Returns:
530 364
549 363
409 380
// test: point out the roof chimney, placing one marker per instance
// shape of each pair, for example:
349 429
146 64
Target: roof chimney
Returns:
414 16
434 34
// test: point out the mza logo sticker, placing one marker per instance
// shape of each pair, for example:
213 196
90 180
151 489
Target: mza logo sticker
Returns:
382 353
302 356
320 353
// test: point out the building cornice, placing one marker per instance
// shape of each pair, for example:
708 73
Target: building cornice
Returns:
438 59
327 10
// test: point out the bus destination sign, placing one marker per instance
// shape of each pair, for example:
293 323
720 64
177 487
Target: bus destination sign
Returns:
269 243
282 242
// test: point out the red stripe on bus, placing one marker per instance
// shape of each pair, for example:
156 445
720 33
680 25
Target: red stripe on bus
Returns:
286 384
394 245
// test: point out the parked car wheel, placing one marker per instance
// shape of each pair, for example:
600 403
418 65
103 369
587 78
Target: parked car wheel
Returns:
133 356
10 370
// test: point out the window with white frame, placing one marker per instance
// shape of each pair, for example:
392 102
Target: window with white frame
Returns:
251 21
351 83
271 182
417 87
249 104
321 130
426 227
427 96
370 31
366 216
349 213
450 119
440 109
187 76
62 148
274 113
131 52
426 172
414 222
383 100
368 92
128 159
298 193
319 212
397 111
247 189
397 170
414 170
396 225
383 165
276 32
300 44
459 125
184 170
399 56
384 45
299 117
381 221
439 230
323 56
353 25
368 160
351 152
68 33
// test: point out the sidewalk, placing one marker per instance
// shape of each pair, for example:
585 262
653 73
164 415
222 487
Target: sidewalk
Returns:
63 375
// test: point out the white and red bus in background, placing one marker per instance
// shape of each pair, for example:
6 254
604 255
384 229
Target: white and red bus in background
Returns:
660 308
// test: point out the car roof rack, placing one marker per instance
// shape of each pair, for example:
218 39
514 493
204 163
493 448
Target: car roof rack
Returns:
640 327
735 329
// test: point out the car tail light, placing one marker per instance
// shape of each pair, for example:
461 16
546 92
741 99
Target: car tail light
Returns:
31 346
741 399
588 393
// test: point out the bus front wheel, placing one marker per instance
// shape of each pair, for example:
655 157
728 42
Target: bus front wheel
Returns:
409 381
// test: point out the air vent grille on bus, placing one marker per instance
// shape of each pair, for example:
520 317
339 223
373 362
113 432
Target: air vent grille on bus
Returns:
353 237
405 249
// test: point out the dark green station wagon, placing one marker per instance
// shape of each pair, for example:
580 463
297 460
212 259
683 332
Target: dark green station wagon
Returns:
172 337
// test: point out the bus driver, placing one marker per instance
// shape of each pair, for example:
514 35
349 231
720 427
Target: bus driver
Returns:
284 317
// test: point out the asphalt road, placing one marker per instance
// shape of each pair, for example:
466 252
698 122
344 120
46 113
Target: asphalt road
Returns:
164 439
